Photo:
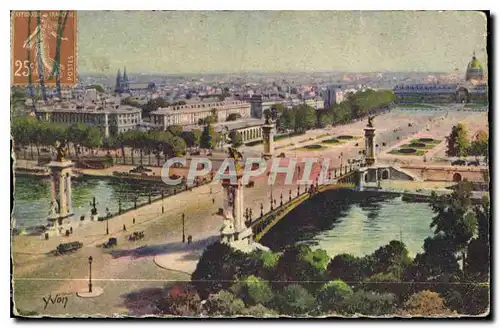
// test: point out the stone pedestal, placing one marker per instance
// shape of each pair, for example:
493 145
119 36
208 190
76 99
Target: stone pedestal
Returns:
370 146
268 140
60 196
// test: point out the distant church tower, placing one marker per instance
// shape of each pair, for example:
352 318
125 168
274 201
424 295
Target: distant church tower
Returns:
122 83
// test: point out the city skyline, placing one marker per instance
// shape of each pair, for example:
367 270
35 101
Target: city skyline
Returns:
280 41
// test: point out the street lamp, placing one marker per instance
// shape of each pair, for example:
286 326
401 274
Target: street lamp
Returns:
261 209
90 274
183 229
162 206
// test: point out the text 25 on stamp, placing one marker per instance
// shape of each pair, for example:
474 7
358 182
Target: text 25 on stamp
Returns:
43 47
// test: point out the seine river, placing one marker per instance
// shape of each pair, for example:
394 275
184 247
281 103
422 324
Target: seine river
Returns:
32 203
344 221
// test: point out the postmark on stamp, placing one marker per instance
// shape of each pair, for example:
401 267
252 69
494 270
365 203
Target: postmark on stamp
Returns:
43 45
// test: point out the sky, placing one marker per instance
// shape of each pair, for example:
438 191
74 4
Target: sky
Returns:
279 41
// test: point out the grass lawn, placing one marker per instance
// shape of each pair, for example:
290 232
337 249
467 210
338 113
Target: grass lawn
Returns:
416 153
415 105
331 141
430 142
311 148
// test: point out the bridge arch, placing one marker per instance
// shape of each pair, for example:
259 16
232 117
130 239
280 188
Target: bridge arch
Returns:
385 174
457 177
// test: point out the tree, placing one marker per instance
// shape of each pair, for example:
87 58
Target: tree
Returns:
77 134
477 266
392 258
368 303
174 147
294 300
325 118
218 267
176 130
192 138
332 294
295 265
208 139
479 147
458 142
425 303
233 117
179 300
253 290
129 101
93 138
286 121
346 267
236 139
224 304
305 118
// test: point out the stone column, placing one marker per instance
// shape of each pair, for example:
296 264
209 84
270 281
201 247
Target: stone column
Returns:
239 221
63 210
106 126
370 146
268 138
69 192
53 195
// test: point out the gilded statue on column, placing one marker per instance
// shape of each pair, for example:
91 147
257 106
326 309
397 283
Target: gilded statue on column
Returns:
61 150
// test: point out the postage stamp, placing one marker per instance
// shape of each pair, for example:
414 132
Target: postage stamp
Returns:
266 164
43 47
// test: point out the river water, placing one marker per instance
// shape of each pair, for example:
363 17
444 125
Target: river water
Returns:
32 197
345 221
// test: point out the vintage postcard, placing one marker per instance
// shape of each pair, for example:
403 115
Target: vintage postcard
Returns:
203 164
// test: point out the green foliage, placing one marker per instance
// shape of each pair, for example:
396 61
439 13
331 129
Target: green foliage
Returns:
176 147
153 105
369 303
208 139
294 300
332 294
260 311
269 259
479 146
130 102
346 267
224 303
297 265
325 118
392 258
458 142
99 88
318 258
192 138
253 290
233 117
305 117
286 121
236 140
176 130
219 267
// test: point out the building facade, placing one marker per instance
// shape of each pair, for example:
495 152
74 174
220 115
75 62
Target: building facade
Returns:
473 90
191 114
110 119
333 95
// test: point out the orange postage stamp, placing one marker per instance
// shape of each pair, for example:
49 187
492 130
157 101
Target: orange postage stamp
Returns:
43 48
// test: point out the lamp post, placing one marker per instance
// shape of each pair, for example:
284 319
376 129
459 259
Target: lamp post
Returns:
289 194
271 198
183 229
162 205
261 209
281 199
90 274
119 206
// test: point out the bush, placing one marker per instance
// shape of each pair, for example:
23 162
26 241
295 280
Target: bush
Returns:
219 266
253 290
224 304
345 267
369 303
294 300
332 294
260 311
179 300
425 303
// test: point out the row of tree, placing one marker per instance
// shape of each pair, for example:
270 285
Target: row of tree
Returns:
459 144
301 281
354 106
28 131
